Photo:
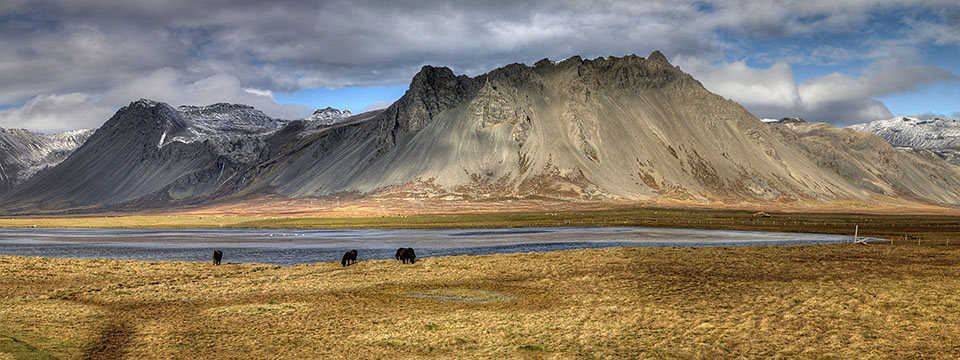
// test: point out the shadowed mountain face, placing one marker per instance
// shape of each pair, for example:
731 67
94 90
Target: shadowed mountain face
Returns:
150 154
608 128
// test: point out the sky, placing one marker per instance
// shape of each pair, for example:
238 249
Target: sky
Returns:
68 64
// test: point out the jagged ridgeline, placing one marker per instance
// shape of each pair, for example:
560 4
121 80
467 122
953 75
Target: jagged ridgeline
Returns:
628 128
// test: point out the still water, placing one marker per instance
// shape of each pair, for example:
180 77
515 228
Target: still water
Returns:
289 247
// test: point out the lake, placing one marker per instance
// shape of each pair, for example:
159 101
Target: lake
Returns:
289 247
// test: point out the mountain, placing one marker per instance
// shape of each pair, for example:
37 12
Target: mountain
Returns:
938 134
23 153
872 164
614 128
606 128
151 154
328 115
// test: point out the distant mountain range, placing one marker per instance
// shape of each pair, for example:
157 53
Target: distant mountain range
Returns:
615 128
23 153
939 135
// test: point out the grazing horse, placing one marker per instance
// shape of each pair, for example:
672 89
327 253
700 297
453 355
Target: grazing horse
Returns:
406 254
349 257
217 255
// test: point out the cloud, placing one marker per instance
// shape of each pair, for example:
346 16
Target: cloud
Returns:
774 86
260 92
100 47
53 113
167 85
835 98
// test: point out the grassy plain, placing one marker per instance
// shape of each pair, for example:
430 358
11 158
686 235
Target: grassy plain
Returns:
883 300
824 301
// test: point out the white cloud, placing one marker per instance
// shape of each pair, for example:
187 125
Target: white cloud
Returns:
114 49
836 98
54 113
774 86
79 110
169 86
260 92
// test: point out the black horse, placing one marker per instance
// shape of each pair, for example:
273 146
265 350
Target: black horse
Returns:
349 257
406 254
217 255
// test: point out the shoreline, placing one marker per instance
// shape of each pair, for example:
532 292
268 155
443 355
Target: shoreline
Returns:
291 247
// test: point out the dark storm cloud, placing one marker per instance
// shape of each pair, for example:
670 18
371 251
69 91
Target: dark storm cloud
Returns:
63 54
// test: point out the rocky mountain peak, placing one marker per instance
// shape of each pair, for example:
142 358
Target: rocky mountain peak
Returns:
146 114
328 115
432 90
225 113
143 103
658 56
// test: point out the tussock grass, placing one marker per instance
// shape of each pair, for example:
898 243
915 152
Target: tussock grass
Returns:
823 301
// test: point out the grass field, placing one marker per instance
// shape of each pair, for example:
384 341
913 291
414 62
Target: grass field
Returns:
823 301
883 300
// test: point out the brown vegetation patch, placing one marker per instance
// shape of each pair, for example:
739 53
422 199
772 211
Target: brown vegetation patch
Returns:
477 296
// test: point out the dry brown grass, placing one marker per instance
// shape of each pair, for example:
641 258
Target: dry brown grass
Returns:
830 301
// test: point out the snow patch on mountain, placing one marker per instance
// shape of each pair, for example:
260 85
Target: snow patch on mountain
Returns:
933 133
223 120
939 135
235 131
23 153
328 116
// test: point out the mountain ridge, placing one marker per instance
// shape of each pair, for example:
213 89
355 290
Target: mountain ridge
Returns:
939 135
615 128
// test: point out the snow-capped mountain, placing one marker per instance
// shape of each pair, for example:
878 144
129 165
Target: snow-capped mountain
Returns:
221 120
23 153
328 115
939 135
933 133
234 130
